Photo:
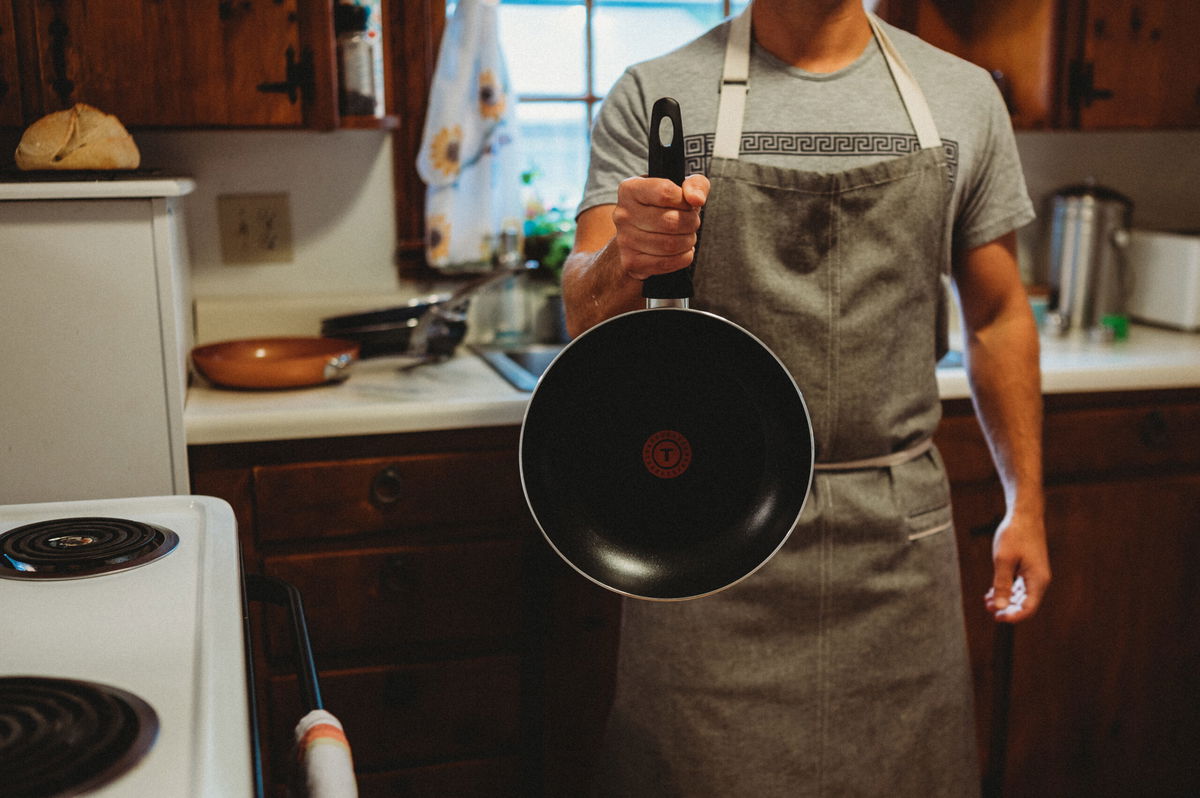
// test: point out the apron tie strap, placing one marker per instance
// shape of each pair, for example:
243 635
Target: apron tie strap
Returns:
883 461
735 81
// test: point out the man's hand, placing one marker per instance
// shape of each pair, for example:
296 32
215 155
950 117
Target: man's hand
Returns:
1022 570
656 223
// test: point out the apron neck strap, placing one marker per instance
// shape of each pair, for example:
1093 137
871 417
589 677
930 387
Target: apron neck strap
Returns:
735 82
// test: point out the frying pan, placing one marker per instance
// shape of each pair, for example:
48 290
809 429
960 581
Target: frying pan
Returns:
666 453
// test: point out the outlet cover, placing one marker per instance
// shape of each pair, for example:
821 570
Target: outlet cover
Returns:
255 228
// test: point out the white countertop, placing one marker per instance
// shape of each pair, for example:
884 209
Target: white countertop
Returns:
465 392
107 185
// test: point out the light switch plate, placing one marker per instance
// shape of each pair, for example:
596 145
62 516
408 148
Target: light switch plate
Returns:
255 228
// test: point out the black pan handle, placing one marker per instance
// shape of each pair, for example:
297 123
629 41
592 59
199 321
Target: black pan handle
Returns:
666 161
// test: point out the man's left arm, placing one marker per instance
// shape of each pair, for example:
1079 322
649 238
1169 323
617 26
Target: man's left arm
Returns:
1003 370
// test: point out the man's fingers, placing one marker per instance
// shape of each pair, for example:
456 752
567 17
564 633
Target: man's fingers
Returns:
1002 584
695 190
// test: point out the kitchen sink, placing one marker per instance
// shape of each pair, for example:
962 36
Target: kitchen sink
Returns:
521 365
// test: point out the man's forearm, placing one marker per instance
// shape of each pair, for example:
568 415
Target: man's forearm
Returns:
1005 378
595 288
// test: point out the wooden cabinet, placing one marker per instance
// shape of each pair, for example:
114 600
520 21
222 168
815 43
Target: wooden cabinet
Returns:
1086 64
10 88
465 659
1099 693
172 63
462 657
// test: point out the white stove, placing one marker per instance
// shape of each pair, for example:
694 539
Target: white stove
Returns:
158 626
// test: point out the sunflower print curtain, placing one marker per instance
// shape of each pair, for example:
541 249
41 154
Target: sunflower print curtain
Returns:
469 157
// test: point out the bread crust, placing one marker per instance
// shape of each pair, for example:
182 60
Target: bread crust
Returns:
81 137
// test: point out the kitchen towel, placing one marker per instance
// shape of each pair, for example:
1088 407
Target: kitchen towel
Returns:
469 157
324 768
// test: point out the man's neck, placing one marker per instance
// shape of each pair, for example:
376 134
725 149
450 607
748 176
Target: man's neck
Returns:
815 35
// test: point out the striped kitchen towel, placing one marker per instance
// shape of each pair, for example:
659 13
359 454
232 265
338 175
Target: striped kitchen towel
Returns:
324 768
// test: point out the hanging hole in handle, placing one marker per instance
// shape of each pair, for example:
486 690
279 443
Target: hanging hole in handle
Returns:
666 132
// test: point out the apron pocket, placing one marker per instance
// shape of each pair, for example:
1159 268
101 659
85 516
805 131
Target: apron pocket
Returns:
930 522
923 496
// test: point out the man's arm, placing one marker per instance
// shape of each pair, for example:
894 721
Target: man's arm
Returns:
651 230
1005 378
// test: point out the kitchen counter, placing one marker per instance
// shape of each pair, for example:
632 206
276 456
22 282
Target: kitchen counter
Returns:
465 392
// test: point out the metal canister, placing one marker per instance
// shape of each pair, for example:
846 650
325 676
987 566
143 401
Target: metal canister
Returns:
1086 269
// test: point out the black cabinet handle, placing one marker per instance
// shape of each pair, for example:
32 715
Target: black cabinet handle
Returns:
299 78
388 487
1081 85
62 83
986 529
393 576
1153 430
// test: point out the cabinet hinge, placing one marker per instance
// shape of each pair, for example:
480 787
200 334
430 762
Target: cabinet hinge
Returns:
1081 85
299 77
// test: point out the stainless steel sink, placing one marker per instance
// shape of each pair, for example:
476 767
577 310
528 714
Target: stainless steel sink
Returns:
522 365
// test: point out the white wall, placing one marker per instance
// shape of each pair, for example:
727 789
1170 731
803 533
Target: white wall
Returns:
344 229
340 188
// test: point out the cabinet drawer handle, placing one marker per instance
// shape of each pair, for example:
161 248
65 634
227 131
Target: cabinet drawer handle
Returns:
1153 431
988 528
387 487
396 575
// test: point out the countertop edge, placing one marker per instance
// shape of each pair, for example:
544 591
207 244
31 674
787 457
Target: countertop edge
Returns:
464 393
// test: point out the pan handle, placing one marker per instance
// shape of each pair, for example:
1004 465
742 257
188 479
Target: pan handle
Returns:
666 161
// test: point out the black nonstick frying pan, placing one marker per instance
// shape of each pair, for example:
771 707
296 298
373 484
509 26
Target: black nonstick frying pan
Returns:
666 453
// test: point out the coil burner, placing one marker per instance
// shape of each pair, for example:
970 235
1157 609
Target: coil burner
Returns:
61 737
69 548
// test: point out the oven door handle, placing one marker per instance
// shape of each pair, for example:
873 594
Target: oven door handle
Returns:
269 589
278 592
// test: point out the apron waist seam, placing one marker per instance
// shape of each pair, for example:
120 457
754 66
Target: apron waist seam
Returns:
883 461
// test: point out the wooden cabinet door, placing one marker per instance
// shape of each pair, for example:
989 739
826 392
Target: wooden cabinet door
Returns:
1137 65
1016 40
1105 696
177 63
10 76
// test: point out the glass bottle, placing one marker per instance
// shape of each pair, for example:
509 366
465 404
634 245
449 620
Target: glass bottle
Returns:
358 90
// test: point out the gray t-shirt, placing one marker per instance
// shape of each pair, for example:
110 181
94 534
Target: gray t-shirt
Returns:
824 123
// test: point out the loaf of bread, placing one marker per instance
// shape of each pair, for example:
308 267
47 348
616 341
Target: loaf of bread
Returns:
81 137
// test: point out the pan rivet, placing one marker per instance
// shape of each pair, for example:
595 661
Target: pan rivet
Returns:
667 454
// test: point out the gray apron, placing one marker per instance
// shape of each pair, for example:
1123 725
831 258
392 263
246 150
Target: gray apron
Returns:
840 668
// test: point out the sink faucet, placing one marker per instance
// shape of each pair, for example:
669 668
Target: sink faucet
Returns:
433 338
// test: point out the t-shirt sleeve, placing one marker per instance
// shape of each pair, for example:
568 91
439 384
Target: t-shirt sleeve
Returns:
619 142
995 201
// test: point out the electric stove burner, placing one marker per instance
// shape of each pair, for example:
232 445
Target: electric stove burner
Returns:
61 737
67 548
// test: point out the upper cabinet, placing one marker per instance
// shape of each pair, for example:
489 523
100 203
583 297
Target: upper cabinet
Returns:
10 93
172 63
1086 64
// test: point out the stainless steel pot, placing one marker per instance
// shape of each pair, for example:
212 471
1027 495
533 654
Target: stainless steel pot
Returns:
1086 270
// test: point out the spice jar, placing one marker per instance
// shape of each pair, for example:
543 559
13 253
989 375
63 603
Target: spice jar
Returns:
358 90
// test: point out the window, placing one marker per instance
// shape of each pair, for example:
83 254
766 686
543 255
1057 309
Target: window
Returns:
564 55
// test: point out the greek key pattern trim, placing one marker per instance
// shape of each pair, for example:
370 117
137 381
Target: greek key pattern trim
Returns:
697 149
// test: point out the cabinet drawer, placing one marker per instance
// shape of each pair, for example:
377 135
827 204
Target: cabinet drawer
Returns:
401 597
1101 441
1115 440
354 497
481 778
413 714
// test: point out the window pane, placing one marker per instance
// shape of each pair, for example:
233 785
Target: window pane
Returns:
544 46
554 140
628 31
